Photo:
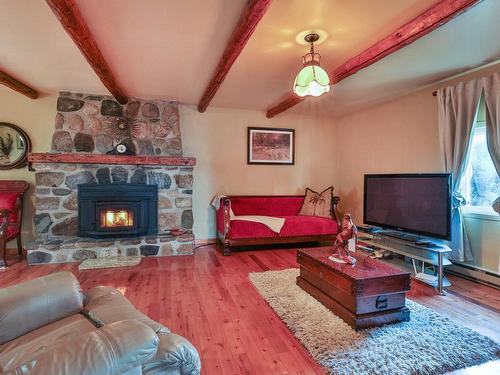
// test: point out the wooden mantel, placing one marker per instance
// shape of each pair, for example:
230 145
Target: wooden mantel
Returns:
111 159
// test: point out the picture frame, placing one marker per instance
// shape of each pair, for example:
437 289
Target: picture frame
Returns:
20 143
270 146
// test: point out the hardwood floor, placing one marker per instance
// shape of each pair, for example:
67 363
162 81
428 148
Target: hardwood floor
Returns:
209 299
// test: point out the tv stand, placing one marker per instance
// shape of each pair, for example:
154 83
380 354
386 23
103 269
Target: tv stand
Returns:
434 254
400 235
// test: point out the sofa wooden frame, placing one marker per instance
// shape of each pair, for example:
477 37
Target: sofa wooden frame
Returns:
225 243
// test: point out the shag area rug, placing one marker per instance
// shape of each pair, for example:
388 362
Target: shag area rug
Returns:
109 262
428 344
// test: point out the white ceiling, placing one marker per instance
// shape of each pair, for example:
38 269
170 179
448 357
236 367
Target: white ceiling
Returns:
169 49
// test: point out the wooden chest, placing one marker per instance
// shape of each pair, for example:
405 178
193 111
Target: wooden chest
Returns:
368 294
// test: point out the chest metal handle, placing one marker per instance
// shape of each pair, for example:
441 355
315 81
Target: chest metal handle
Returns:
381 302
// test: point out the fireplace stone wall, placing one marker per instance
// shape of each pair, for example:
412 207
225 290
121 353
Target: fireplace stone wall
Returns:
57 194
90 124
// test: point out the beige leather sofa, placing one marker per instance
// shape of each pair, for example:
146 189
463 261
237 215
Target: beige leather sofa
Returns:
48 326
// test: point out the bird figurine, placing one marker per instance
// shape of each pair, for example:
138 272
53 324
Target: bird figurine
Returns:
340 246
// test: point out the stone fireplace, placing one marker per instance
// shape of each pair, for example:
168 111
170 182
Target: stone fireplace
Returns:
90 203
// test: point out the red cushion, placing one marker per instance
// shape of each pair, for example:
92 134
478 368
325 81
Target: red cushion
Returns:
294 226
12 230
267 206
8 201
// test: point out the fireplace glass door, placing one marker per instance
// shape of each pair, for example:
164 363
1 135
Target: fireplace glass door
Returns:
116 218
117 210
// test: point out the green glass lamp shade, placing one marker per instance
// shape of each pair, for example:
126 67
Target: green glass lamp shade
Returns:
312 80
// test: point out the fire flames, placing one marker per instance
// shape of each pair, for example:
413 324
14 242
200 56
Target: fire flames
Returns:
116 218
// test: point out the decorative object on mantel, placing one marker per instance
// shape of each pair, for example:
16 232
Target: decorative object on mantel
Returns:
312 80
429 344
341 244
14 146
271 146
119 130
121 149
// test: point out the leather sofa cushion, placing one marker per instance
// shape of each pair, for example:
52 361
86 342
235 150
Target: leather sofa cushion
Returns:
33 304
105 305
294 226
38 340
118 348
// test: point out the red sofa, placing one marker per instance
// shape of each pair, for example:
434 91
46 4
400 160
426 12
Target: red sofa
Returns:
231 233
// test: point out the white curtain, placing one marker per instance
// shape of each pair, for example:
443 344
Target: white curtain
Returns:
491 86
457 110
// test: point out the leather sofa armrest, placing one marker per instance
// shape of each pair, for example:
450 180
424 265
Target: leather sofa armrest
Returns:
175 356
104 305
113 349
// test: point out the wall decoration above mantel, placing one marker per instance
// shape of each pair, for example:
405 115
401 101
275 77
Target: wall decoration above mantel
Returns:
15 146
271 146
98 123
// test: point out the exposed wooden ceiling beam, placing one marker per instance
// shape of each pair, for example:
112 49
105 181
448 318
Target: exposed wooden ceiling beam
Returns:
71 19
290 100
252 13
18 86
431 19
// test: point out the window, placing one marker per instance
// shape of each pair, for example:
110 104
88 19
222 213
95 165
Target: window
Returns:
480 183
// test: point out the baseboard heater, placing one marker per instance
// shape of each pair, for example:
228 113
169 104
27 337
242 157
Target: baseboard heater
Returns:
474 274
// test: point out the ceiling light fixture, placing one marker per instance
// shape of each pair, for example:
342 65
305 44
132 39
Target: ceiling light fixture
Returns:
312 80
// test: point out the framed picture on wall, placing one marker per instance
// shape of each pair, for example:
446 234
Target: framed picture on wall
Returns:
271 146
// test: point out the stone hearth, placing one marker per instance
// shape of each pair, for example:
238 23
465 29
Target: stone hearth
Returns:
76 249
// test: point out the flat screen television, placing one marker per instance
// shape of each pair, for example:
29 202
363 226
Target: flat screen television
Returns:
413 203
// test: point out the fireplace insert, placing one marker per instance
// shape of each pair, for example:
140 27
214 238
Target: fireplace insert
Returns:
117 210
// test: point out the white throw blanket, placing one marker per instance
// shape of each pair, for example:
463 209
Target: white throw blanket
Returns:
216 201
273 223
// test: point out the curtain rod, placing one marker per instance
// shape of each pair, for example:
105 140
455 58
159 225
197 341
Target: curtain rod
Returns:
434 93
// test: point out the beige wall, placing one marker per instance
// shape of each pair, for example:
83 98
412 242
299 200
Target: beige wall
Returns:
218 140
36 117
396 137
402 136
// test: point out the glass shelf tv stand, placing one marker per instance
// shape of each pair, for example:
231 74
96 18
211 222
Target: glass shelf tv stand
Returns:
428 254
